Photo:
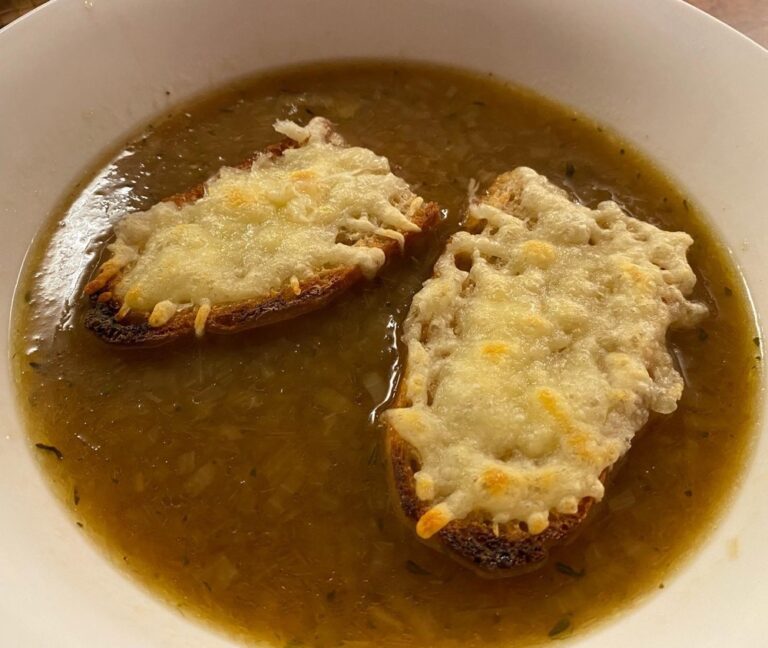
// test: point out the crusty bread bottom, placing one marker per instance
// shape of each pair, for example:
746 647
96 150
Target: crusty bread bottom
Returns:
228 318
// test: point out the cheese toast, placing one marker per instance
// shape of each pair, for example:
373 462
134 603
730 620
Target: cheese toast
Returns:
534 354
280 235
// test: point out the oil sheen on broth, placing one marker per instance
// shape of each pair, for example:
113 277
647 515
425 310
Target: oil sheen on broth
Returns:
243 478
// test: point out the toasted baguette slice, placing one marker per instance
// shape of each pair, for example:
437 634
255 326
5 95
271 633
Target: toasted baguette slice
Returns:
280 235
534 354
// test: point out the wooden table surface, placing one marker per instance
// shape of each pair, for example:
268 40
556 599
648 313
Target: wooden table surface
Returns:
748 16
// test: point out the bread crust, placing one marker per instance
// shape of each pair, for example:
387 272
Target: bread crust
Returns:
492 549
313 293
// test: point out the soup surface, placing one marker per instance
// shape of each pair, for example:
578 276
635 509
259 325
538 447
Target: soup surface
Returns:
243 477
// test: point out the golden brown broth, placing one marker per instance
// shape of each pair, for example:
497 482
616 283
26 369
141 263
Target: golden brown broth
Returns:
243 477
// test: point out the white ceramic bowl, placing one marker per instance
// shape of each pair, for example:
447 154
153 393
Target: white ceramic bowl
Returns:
78 76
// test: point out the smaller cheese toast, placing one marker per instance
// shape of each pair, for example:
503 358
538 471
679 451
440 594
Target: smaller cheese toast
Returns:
535 353
280 235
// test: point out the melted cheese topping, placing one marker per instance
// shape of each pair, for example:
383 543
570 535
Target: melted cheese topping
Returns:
261 230
529 373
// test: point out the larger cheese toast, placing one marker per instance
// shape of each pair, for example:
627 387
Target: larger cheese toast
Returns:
534 354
